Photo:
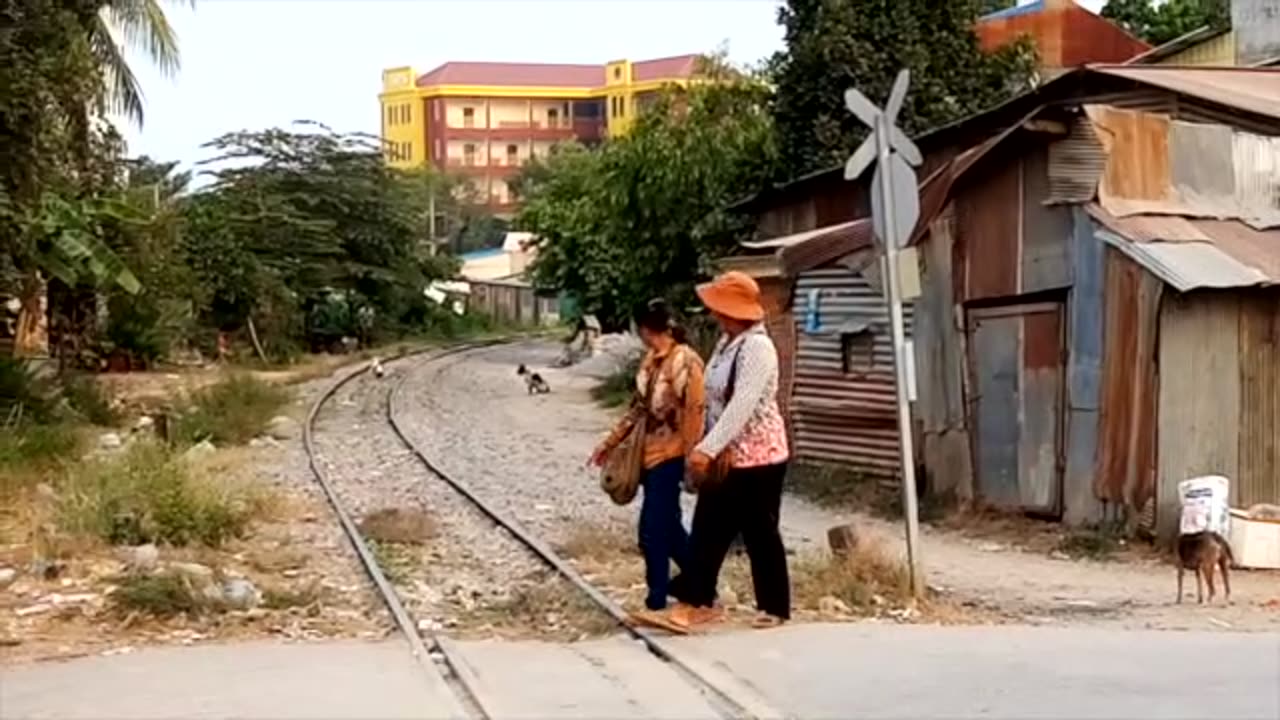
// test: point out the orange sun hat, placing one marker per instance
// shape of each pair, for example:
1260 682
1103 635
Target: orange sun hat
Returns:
733 294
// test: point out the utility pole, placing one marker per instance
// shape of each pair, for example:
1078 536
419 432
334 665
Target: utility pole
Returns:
431 215
895 208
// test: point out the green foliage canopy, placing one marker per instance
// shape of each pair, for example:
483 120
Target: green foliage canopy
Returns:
642 215
833 45
1159 23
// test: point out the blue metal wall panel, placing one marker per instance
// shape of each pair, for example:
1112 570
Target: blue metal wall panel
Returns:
1084 369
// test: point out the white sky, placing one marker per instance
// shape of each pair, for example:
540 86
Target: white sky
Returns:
251 64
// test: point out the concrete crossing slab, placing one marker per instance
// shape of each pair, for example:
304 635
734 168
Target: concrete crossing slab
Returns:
612 678
346 680
892 671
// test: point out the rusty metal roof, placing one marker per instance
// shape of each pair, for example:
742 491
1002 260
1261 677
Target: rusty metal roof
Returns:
1188 253
1255 90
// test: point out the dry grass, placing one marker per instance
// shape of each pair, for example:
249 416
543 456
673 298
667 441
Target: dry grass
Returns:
399 526
149 494
555 607
865 578
598 543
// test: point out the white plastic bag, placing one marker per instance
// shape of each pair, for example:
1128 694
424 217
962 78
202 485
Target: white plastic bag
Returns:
1204 505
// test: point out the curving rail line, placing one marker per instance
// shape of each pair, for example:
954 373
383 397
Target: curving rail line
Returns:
704 677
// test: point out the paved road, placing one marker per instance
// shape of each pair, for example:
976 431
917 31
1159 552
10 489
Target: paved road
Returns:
804 671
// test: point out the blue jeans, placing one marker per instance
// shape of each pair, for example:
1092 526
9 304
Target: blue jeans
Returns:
662 535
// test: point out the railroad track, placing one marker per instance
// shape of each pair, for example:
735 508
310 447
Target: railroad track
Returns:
431 648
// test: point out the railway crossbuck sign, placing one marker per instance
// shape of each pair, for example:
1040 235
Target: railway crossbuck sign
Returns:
895 208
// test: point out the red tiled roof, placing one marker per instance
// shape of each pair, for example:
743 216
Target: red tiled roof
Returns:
679 66
519 74
551 74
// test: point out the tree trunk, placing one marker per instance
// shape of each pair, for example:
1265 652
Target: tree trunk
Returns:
32 336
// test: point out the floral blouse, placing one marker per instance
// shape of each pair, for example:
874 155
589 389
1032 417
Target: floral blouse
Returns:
749 425
675 409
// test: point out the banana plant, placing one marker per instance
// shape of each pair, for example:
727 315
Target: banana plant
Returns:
70 250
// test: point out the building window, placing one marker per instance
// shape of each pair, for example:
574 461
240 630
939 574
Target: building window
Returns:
469 154
858 352
553 118
408 151
513 155
617 73
406 114
468 117
390 117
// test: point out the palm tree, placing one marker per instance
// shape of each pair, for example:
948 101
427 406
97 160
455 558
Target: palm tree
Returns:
140 24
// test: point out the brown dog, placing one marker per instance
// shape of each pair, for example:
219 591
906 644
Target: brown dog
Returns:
1201 552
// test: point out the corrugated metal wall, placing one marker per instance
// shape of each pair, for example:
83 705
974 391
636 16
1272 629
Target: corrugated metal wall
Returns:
1127 455
1084 370
940 408
1199 412
776 297
1257 171
1259 479
1076 163
1012 242
839 416
511 303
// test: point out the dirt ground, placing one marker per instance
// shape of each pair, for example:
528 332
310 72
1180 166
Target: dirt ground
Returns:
526 454
999 569
296 555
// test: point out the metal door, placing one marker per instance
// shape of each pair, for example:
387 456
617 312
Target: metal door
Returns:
1016 367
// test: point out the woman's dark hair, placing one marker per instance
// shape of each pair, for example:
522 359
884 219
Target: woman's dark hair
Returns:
656 316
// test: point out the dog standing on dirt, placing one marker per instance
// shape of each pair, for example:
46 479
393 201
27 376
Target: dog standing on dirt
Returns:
377 369
1201 552
533 381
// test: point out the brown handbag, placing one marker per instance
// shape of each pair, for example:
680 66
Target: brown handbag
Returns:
620 477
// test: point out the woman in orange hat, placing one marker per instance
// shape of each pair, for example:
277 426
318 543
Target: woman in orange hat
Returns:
744 422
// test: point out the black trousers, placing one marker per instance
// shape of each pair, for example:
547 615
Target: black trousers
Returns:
748 502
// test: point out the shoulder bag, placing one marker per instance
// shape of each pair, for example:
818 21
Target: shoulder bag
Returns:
620 477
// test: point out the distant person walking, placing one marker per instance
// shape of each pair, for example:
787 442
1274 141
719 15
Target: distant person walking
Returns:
739 466
669 386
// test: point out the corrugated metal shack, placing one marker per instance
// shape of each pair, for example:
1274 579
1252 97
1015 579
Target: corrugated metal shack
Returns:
512 301
1045 352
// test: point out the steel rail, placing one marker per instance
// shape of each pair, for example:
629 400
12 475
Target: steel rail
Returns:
751 711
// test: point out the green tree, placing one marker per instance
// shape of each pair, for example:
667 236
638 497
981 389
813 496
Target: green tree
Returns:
142 25
56 156
642 215
986 7
1159 23
296 220
833 45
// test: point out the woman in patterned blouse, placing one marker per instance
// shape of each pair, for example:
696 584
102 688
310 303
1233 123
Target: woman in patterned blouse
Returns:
675 423
743 420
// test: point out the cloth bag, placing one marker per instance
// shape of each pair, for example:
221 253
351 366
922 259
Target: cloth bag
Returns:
620 477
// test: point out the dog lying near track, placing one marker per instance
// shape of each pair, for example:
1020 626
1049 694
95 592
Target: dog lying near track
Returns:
1201 552
533 381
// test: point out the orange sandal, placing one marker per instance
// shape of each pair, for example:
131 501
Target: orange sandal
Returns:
765 621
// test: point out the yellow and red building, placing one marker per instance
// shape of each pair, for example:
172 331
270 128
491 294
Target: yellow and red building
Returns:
484 120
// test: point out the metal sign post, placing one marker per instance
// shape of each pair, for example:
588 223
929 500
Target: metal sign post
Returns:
895 208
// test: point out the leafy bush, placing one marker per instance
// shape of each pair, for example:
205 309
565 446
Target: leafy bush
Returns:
85 396
234 410
30 446
24 394
149 494
162 596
